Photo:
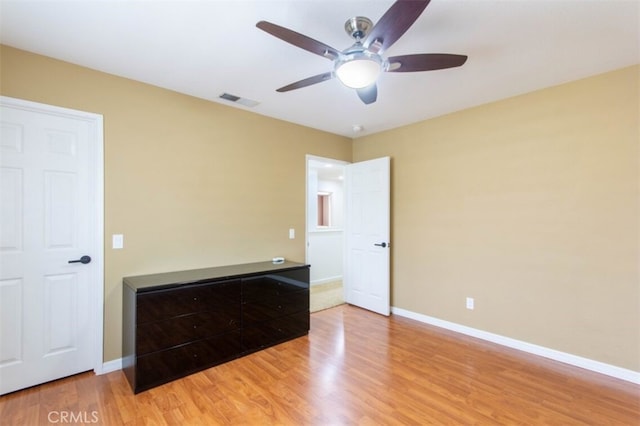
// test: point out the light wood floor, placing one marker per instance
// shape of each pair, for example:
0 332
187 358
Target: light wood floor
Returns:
354 368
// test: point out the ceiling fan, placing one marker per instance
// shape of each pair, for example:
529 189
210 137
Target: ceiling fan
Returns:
359 66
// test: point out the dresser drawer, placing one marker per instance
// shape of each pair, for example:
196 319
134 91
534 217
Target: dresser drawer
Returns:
269 307
270 285
267 333
161 367
165 304
158 335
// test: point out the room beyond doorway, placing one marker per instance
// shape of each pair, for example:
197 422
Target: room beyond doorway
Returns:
325 230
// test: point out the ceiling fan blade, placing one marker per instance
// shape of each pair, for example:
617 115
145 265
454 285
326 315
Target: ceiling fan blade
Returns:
368 94
424 62
299 40
307 82
393 24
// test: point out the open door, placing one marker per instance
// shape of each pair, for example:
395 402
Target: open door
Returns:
367 252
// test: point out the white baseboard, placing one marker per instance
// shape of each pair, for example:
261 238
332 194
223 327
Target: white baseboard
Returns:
110 366
327 280
577 361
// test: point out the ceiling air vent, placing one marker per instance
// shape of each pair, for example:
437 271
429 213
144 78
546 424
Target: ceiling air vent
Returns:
238 100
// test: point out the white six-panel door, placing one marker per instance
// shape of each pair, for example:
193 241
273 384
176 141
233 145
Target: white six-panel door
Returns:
366 278
47 217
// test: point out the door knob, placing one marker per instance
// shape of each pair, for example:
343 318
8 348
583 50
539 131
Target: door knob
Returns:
383 245
84 260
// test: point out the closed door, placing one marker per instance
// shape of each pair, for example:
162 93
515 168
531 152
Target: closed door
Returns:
367 280
48 218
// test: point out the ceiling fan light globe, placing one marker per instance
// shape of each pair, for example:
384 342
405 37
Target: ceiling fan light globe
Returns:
358 73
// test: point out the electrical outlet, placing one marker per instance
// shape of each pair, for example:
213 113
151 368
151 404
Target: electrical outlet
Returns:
470 303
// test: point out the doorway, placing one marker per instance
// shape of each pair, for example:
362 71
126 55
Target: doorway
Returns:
325 230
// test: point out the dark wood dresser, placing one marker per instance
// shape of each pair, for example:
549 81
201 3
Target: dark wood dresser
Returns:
177 323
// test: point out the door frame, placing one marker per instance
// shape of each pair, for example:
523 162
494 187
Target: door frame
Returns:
96 158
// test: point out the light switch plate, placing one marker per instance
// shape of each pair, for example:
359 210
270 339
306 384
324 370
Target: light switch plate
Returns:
117 241
292 233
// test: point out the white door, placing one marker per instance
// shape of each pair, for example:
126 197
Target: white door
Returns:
48 215
367 235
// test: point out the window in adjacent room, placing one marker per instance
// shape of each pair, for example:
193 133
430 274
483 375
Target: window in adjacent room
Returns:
324 209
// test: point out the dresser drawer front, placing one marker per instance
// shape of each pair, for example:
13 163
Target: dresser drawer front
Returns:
273 285
165 304
270 307
164 366
158 335
278 330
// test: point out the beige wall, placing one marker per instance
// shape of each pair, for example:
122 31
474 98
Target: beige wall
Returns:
531 206
189 183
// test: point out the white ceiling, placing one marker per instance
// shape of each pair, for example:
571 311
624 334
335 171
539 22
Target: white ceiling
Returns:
327 170
204 48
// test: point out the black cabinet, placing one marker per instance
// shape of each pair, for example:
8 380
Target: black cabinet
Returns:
274 307
177 323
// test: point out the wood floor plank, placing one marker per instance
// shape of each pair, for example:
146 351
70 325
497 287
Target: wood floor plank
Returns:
355 367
